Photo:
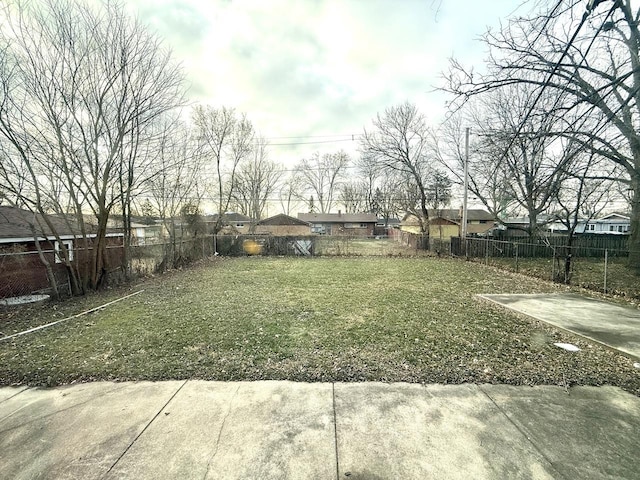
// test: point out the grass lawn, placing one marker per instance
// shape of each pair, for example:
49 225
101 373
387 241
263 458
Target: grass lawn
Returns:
307 319
587 273
354 246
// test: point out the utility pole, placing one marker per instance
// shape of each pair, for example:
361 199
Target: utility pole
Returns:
466 186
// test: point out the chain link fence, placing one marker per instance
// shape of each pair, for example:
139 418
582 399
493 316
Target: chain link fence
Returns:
25 272
600 268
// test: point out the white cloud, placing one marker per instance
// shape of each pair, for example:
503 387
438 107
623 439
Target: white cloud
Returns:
319 67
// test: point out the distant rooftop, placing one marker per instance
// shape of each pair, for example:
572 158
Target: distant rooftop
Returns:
338 217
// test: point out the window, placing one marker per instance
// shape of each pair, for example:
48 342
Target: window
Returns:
355 225
612 228
484 221
591 227
68 244
239 225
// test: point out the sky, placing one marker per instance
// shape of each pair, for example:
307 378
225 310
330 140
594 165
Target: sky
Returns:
314 73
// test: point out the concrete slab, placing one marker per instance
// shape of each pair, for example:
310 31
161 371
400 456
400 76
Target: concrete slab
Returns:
75 432
615 326
238 430
276 430
287 430
414 432
8 392
590 433
180 441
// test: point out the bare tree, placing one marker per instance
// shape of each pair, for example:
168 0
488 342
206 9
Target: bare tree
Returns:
581 198
353 196
255 182
321 177
399 143
593 59
179 176
530 160
289 194
486 181
226 138
80 86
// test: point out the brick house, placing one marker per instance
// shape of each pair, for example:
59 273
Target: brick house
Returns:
351 224
22 271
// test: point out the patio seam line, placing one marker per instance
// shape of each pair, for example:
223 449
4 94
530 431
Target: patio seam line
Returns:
224 421
14 395
52 413
335 428
523 433
144 429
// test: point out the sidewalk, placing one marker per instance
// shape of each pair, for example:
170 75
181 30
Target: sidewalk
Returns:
286 430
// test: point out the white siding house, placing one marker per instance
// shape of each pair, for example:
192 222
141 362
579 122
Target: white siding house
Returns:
614 223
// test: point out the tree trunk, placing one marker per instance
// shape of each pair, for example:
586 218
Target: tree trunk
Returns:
568 257
99 248
47 265
634 238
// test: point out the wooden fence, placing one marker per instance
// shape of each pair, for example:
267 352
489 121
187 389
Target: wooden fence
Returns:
546 247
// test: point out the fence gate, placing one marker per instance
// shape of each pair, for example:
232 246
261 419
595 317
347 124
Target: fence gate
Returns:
302 247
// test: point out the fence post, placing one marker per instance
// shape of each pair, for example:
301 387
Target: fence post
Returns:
486 253
606 259
516 245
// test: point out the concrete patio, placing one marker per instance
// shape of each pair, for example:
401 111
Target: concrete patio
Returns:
287 430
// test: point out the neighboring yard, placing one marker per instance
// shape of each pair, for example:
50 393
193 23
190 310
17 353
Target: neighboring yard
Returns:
308 319
586 273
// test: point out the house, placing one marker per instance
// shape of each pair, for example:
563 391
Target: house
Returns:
614 223
145 234
446 223
519 226
22 270
282 225
144 230
352 224
391 222
384 225
232 223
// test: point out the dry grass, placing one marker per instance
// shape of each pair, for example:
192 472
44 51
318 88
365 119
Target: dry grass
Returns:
318 319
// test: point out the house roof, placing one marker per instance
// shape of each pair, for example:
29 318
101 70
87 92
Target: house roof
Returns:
15 226
15 223
456 214
282 219
388 221
228 217
452 214
615 216
338 217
